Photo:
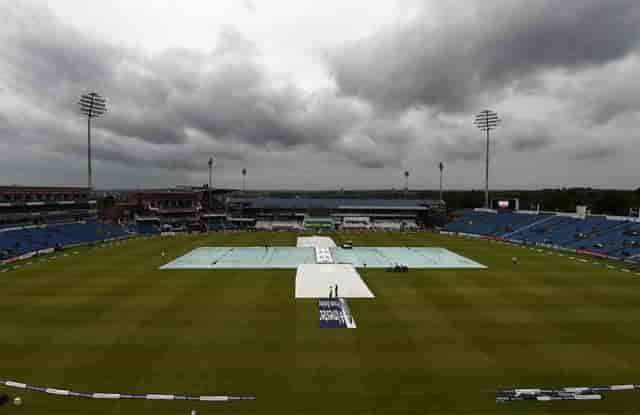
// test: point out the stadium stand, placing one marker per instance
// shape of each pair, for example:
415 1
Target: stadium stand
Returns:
329 213
16 242
356 222
617 238
318 223
279 225
40 218
146 228
386 225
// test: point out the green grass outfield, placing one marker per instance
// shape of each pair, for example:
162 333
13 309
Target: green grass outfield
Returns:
432 341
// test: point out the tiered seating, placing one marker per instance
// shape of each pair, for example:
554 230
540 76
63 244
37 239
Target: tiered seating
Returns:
615 238
387 225
215 224
497 224
622 241
508 222
147 228
220 224
549 231
279 225
473 222
22 241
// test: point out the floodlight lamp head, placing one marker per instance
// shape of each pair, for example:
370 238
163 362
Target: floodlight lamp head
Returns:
92 105
487 120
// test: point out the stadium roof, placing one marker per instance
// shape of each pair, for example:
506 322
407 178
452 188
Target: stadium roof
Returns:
41 189
334 203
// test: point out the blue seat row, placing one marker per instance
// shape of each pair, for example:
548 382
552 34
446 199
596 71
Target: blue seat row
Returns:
616 238
21 241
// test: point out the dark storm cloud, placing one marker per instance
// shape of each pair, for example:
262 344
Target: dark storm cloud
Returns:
452 63
50 61
394 92
606 95
173 159
224 95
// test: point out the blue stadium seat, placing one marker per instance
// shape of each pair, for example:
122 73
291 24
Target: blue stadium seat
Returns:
615 238
21 241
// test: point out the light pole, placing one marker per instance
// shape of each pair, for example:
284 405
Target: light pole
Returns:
487 120
244 183
210 163
441 167
92 105
406 181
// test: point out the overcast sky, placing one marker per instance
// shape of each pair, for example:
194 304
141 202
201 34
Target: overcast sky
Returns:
321 94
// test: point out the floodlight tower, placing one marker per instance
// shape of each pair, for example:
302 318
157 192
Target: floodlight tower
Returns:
93 106
406 181
209 190
211 163
441 167
486 121
244 183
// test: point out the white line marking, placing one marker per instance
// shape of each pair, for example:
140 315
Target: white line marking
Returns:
621 387
106 395
60 392
160 397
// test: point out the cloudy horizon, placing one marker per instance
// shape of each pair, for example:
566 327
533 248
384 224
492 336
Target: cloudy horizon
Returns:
321 95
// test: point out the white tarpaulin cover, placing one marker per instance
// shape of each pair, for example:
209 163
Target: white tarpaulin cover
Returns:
316 280
315 242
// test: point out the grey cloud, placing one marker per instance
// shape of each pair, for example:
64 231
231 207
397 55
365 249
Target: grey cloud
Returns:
609 94
110 151
526 135
377 144
454 63
461 148
394 92
365 152
532 142
233 43
249 6
49 59
153 126
225 94
594 152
